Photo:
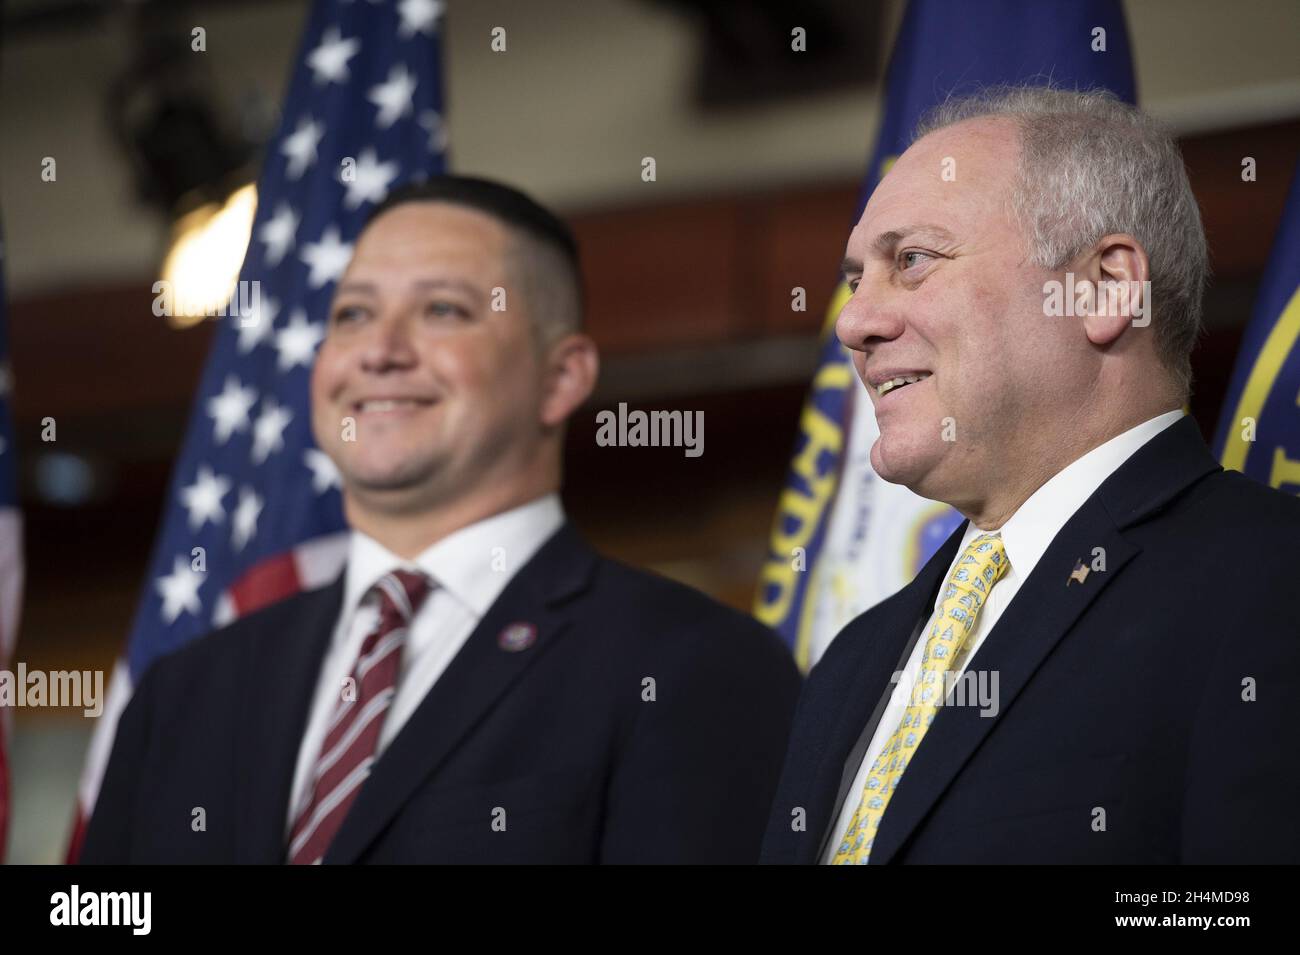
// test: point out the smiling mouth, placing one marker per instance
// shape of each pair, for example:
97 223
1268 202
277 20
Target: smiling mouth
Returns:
893 384
389 405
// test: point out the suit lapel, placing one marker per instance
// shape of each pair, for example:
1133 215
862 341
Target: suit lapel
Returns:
874 668
474 681
281 679
1044 609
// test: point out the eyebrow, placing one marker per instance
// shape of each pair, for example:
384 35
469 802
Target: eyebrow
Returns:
370 288
885 243
468 288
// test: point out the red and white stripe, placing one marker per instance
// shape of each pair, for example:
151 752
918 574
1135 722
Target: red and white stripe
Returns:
352 742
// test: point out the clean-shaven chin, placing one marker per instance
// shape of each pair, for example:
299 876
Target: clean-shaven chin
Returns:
898 449
880 463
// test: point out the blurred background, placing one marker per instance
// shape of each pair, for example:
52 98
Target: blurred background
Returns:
688 277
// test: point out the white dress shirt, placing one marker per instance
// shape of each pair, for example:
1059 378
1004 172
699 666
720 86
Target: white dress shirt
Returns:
469 569
1026 535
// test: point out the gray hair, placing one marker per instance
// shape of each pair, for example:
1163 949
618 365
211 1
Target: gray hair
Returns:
1092 165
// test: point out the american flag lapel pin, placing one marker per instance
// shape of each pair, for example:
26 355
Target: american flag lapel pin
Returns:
517 636
1080 573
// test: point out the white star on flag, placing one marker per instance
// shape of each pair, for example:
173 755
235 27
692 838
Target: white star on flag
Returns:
419 16
203 498
243 523
268 429
278 233
324 475
329 61
431 121
370 180
393 97
297 341
300 147
326 258
252 503
229 410
180 590
254 329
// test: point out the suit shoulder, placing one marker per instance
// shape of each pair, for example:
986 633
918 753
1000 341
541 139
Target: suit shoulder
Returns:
1250 495
1233 507
655 608
224 647
652 592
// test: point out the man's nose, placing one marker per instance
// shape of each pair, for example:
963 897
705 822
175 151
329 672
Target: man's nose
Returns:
866 320
388 343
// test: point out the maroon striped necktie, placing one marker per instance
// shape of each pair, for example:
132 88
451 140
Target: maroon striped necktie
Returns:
350 742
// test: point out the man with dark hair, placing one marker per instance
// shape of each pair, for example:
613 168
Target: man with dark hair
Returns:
543 250
478 685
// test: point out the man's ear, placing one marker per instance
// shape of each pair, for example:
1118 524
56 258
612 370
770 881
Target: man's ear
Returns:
572 366
1119 271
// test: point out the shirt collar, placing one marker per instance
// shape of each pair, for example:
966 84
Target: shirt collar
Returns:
1028 532
467 564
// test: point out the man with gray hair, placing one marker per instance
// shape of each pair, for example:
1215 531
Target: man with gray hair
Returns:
1099 665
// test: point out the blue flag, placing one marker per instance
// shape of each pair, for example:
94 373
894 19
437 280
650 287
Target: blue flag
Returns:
1259 430
842 539
254 513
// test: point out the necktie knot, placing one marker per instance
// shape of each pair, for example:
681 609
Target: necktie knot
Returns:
401 593
981 565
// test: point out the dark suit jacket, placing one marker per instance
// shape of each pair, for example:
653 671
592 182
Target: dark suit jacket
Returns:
558 734
1122 693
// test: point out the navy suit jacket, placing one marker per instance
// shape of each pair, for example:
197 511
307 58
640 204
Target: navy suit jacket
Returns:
558 735
1146 714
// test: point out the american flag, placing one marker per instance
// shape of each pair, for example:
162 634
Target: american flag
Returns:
11 553
362 115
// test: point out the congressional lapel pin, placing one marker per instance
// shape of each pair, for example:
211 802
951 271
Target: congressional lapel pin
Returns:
516 637
1080 573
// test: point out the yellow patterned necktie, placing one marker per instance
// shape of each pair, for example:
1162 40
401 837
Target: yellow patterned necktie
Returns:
981 566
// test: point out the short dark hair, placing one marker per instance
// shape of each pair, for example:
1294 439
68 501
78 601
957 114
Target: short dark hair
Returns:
496 199
553 242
